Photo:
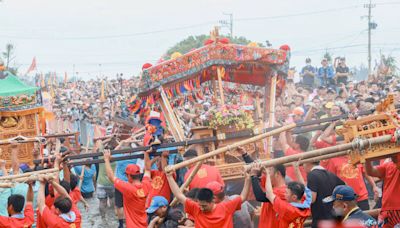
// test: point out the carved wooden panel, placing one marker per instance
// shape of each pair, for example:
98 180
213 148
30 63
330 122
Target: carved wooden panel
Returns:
26 126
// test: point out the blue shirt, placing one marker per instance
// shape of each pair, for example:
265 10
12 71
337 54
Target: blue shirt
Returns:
121 166
309 69
87 184
327 71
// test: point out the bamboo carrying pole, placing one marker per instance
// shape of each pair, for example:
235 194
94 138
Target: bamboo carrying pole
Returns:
271 119
187 182
16 176
59 135
324 151
320 158
228 148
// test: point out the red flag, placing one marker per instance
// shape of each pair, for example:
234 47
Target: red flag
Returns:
33 66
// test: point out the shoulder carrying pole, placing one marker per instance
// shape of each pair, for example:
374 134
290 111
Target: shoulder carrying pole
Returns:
228 148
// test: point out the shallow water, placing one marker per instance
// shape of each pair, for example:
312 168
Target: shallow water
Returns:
92 218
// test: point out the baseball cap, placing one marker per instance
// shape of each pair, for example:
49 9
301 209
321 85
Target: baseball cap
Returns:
341 192
132 169
331 90
350 100
157 202
215 187
298 111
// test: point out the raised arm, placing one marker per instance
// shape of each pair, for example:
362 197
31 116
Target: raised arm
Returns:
29 194
60 189
41 197
371 170
107 165
147 163
269 192
255 183
283 141
175 189
299 177
3 167
327 134
246 187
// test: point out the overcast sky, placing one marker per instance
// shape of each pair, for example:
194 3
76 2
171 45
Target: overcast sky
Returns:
119 36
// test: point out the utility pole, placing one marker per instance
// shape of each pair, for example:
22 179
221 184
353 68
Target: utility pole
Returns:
371 25
228 24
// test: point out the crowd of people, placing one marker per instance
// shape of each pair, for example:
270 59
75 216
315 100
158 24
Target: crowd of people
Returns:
332 193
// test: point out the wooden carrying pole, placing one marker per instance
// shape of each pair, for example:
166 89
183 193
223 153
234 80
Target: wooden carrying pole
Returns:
324 151
320 158
271 119
228 148
187 182
16 176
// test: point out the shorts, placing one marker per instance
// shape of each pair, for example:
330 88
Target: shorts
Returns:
119 202
104 192
87 195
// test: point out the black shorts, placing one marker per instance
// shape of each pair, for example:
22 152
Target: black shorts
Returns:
87 195
119 202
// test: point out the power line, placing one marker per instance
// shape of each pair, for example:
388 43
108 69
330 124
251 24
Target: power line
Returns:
129 35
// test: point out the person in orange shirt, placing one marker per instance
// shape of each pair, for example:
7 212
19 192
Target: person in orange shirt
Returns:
159 183
292 211
205 175
18 218
63 215
206 213
134 192
268 214
389 172
290 147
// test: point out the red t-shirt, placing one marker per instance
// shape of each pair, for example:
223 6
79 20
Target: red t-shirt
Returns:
288 215
290 170
159 186
27 221
205 175
55 221
322 144
49 201
134 196
268 216
220 217
391 186
352 176
75 195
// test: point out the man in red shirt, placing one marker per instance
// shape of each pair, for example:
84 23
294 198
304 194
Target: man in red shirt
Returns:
268 215
206 212
205 175
64 213
15 205
290 147
291 211
159 183
390 174
134 192
340 166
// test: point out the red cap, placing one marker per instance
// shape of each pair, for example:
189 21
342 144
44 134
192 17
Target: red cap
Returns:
132 169
146 65
215 187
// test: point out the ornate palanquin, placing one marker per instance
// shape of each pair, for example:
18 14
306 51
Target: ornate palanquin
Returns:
20 106
217 61
385 121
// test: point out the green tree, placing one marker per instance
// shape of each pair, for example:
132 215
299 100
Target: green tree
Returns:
193 42
8 54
